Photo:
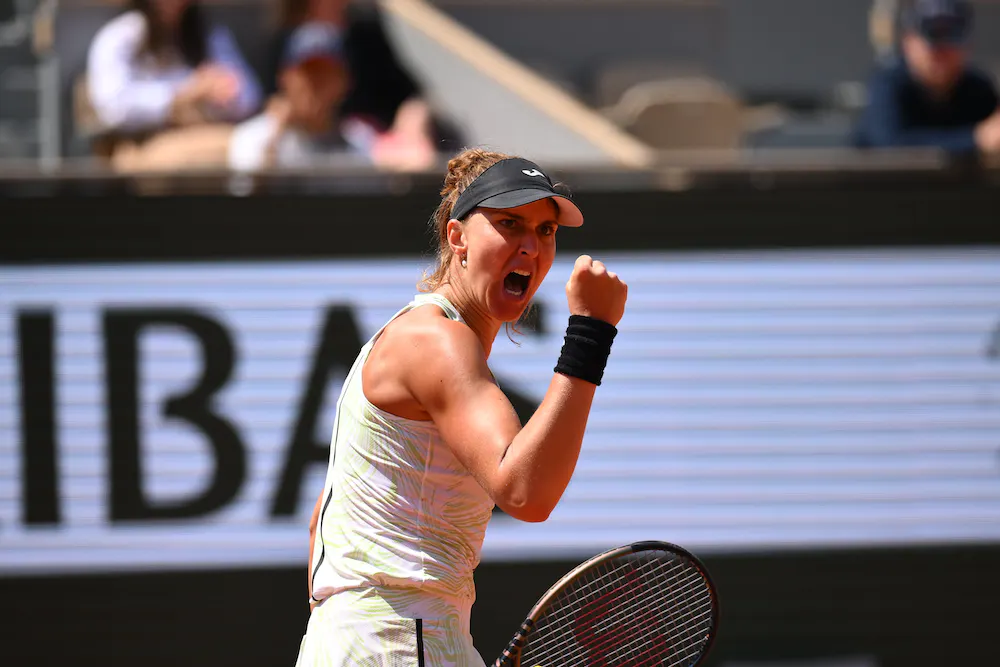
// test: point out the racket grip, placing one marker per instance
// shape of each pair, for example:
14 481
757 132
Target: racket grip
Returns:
511 656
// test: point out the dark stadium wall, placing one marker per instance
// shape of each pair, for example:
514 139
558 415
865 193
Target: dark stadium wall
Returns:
859 210
905 608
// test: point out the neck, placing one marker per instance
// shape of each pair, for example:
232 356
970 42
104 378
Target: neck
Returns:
485 327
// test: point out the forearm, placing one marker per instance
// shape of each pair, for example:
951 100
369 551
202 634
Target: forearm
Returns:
538 464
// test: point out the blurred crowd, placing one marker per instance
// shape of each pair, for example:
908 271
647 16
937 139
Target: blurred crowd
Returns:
166 88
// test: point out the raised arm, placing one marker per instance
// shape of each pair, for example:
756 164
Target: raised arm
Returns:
525 470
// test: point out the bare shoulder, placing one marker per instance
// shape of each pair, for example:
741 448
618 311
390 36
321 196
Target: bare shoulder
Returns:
427 337
418 359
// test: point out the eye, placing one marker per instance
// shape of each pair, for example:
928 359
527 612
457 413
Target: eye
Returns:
509 223
547 230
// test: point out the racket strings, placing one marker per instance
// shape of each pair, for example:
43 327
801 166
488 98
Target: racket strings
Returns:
565 606
585 602
583 596
651 611
629 647
611 645
641 644
643 647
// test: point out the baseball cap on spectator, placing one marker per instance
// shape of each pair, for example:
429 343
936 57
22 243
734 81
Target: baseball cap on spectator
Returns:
940 22
313 41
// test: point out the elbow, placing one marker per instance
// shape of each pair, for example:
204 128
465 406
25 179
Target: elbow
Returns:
526 497
535 516
528 510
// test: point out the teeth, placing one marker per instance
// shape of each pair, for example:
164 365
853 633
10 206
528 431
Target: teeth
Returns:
521 272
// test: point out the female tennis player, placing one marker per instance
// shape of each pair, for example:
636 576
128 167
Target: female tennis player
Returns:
425 442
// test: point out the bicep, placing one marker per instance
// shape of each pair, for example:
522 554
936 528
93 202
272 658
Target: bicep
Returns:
472 413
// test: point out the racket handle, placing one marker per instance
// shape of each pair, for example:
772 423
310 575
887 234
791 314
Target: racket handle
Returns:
511 656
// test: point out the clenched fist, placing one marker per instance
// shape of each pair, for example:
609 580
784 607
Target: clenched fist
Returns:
594 291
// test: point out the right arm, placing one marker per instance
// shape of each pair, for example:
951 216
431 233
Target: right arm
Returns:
525 470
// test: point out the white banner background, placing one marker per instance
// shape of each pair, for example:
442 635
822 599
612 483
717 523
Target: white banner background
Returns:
753 401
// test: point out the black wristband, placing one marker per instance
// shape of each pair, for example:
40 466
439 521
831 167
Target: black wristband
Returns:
586 348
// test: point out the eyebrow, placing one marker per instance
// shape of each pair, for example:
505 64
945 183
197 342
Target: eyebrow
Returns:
520 218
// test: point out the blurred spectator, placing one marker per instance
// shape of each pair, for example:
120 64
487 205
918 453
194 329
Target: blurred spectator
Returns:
931 96
161 66
384 114
300 122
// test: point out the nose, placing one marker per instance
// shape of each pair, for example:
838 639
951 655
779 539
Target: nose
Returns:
529 244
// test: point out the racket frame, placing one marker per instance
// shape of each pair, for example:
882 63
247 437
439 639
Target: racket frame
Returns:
511 656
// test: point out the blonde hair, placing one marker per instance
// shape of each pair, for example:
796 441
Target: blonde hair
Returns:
463 169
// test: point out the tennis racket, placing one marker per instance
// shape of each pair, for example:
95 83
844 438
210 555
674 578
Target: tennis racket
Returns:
643 604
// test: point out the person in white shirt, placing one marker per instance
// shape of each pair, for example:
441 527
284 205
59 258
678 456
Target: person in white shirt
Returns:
166 86
161 64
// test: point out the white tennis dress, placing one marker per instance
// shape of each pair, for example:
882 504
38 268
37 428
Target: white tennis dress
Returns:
400 532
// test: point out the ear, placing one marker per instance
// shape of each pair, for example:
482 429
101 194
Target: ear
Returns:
455 233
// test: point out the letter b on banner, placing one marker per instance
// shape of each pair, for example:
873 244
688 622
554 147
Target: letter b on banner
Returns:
122 329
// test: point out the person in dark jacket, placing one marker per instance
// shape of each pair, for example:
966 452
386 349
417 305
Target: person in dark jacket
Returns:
931 96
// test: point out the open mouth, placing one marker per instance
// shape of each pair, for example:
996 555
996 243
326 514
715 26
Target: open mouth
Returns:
516 283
